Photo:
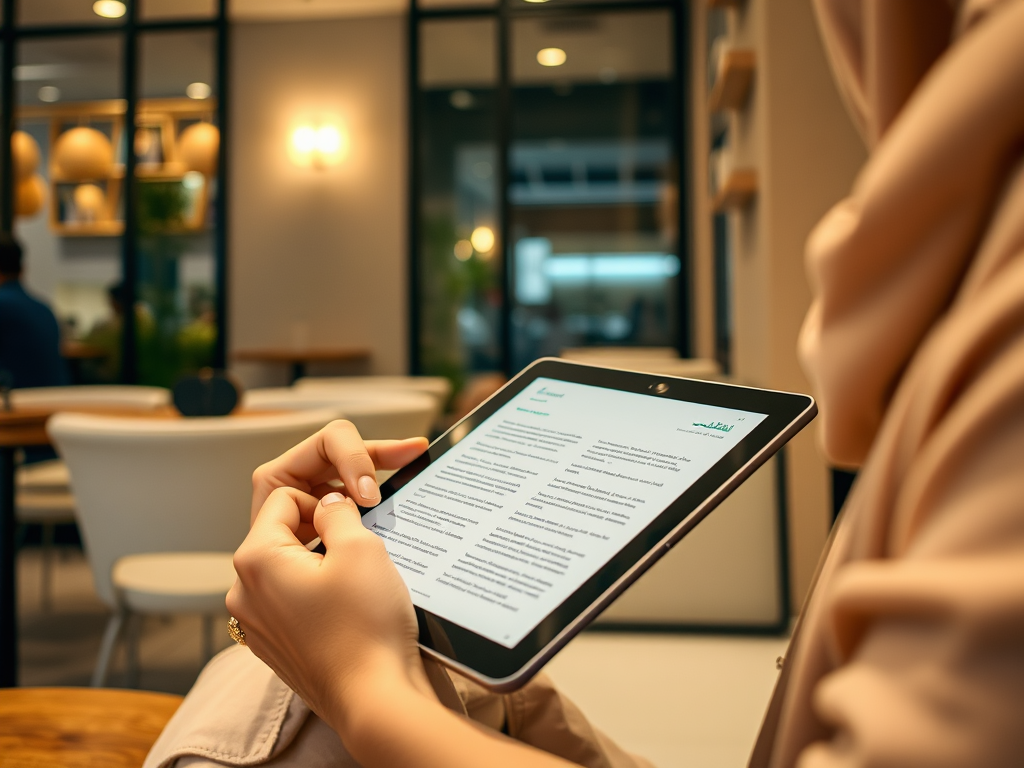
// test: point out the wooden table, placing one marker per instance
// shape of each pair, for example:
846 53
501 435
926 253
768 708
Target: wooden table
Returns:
80 727
298 359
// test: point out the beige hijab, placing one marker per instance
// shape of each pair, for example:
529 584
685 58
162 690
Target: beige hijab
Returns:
911 649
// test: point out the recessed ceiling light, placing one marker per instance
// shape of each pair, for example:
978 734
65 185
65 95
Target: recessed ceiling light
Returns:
551 57
49 93
109 9
198 91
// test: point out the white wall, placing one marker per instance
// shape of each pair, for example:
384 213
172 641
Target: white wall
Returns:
319 256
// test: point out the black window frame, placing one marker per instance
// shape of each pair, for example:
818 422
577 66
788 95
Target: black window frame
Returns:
130 28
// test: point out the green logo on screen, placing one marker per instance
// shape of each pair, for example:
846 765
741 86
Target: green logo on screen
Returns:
716 425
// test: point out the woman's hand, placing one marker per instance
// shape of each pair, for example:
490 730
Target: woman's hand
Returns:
333 625
336 452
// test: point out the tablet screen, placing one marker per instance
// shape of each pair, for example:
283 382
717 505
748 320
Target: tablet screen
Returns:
522 510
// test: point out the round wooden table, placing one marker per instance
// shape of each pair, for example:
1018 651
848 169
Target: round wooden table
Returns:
80 727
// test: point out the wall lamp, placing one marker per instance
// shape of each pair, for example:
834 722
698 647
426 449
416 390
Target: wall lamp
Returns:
318 146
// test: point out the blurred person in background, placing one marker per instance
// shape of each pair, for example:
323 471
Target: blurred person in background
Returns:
29 333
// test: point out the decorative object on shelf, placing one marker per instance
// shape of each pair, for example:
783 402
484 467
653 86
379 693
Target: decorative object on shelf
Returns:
29 196
736 191
198 146
90 203
169 142
24 155
83 154
735 75
30 187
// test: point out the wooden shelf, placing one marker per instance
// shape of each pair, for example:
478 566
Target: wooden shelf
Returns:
89 229
733 81
725 3
165 119
736 191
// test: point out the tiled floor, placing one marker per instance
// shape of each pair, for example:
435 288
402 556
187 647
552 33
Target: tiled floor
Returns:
677 700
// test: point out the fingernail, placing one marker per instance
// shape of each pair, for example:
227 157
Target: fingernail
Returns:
333 498
368 488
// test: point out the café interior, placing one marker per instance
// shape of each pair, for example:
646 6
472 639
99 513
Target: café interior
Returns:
380 210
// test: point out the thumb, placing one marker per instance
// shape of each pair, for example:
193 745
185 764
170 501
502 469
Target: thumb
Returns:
336 518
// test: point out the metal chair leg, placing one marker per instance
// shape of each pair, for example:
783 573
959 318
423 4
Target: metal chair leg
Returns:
110 634
133 635
47 537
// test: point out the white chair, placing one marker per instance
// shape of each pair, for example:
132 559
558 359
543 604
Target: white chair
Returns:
637 359
594 354
438 386
162 505
43 491
378 415
92 396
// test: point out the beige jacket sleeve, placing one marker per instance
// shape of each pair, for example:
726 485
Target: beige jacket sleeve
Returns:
911 650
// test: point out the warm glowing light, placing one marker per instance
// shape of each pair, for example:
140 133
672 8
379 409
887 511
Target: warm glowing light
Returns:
463 250
482 239
536 1
109 9
193 180
198 91
319 146
551 57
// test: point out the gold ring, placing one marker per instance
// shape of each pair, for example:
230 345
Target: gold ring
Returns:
236 632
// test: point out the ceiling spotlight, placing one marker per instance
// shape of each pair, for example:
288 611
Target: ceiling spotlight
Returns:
198 91
109 9
49 94
551 57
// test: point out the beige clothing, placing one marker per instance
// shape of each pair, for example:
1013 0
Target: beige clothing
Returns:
240 714
911 651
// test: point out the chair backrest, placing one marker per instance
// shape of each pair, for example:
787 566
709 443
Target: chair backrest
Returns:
92 395
168 485
438 386
592 354
377 414
687 367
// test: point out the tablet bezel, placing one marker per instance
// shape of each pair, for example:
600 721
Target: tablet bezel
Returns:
500 668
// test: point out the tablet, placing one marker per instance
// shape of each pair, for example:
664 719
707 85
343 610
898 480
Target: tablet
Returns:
526 519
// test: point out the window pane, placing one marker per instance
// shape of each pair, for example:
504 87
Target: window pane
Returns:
594 211
61 12
176 146
70 212
155 10
459 259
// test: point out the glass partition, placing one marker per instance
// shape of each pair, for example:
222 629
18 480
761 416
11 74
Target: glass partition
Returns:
115 99
546 205
176 152
592 181
458 255
69 173
31 13
165 10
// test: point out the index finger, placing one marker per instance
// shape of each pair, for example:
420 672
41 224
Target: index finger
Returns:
336 451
